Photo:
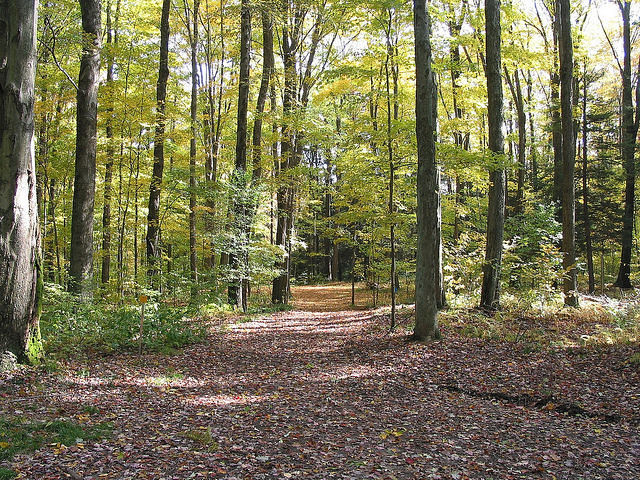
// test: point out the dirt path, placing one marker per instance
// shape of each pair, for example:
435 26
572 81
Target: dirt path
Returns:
330 395
334 297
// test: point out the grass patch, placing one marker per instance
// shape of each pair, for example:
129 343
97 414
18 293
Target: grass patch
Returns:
7 474
203 437
592 324
19 436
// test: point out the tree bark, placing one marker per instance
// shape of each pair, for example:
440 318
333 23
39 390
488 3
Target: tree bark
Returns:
516 93
390 159
112 41
280 287
490 294
238 257
427 181
153 215
556 121
570 283
585 190
20 266
81 261
629 133
193 257
268 65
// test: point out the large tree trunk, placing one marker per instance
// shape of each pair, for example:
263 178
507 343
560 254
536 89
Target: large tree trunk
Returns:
20 269
629 132
490 295
570 283
427 181
153 216
81 261
238 257
280 287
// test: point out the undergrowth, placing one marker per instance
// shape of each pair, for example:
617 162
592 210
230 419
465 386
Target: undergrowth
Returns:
593 324
70 327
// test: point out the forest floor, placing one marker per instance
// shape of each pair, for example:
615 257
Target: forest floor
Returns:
324 391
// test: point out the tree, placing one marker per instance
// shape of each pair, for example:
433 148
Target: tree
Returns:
238 258
20 266
570 283
81 261
428 253
153 216
112 42
192 29
268 65
629 133
490 295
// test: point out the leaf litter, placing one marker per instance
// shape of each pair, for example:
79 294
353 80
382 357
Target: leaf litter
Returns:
318 395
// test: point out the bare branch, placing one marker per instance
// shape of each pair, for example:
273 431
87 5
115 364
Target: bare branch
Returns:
613 50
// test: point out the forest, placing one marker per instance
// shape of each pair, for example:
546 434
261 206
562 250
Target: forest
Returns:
319 239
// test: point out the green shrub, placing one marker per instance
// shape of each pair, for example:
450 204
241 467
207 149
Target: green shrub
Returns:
68 326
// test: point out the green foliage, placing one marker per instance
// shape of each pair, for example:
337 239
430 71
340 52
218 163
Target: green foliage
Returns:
532 259
35 352
203 437
70 327
18 435
7 474
463 264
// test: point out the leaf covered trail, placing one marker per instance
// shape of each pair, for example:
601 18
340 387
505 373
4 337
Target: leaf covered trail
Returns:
331 395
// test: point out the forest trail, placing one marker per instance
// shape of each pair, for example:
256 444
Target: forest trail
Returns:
329 394
332 297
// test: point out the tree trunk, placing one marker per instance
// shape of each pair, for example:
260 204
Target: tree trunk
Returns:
268 65
112 42
392 171
556 122
20 266
81 261
570 283
490 295
238 257
193 257
285 193
532 138
629 133
153 215
585 190
427 181
516 93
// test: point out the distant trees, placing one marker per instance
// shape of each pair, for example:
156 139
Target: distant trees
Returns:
20 261
321 125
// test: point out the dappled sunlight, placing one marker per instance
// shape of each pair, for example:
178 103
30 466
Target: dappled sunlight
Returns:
223 400
317 387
